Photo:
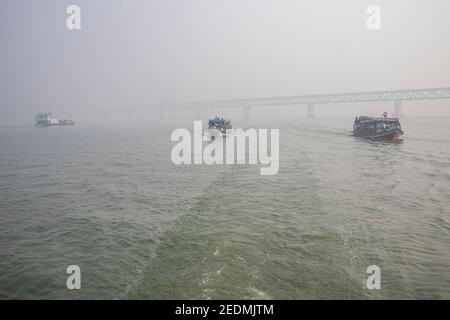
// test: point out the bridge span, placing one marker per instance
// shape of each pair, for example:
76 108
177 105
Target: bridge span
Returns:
395 96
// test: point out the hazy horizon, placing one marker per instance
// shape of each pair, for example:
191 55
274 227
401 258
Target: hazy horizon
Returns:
132 54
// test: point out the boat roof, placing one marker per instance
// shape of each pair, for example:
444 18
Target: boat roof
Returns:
379 119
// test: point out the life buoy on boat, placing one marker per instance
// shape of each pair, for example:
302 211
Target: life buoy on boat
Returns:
385 114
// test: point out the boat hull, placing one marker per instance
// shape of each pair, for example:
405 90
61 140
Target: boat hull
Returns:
213 133
387 135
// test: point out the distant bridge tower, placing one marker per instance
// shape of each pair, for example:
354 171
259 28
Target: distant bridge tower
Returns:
310 114
398 108
247 113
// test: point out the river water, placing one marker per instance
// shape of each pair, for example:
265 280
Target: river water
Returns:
109 200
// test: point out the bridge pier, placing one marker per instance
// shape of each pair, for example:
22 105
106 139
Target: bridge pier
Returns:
246 113
310 114
198 113
398 108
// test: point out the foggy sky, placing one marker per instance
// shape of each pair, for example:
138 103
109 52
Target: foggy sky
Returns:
138 52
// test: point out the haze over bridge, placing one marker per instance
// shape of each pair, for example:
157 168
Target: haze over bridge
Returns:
395 96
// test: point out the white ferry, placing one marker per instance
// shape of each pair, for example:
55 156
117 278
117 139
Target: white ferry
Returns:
49 119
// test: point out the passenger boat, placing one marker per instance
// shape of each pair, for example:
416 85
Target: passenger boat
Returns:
218 127
46 120
50 120
386 128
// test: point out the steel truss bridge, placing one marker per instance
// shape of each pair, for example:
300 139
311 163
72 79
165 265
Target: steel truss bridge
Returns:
395 96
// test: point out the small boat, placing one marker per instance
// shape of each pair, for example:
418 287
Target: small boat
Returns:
46 120
218 127
377 128
49 119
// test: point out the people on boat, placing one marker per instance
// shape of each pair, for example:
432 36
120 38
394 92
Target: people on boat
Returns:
219 123
376 124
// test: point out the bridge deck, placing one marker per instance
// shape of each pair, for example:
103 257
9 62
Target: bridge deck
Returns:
370 96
